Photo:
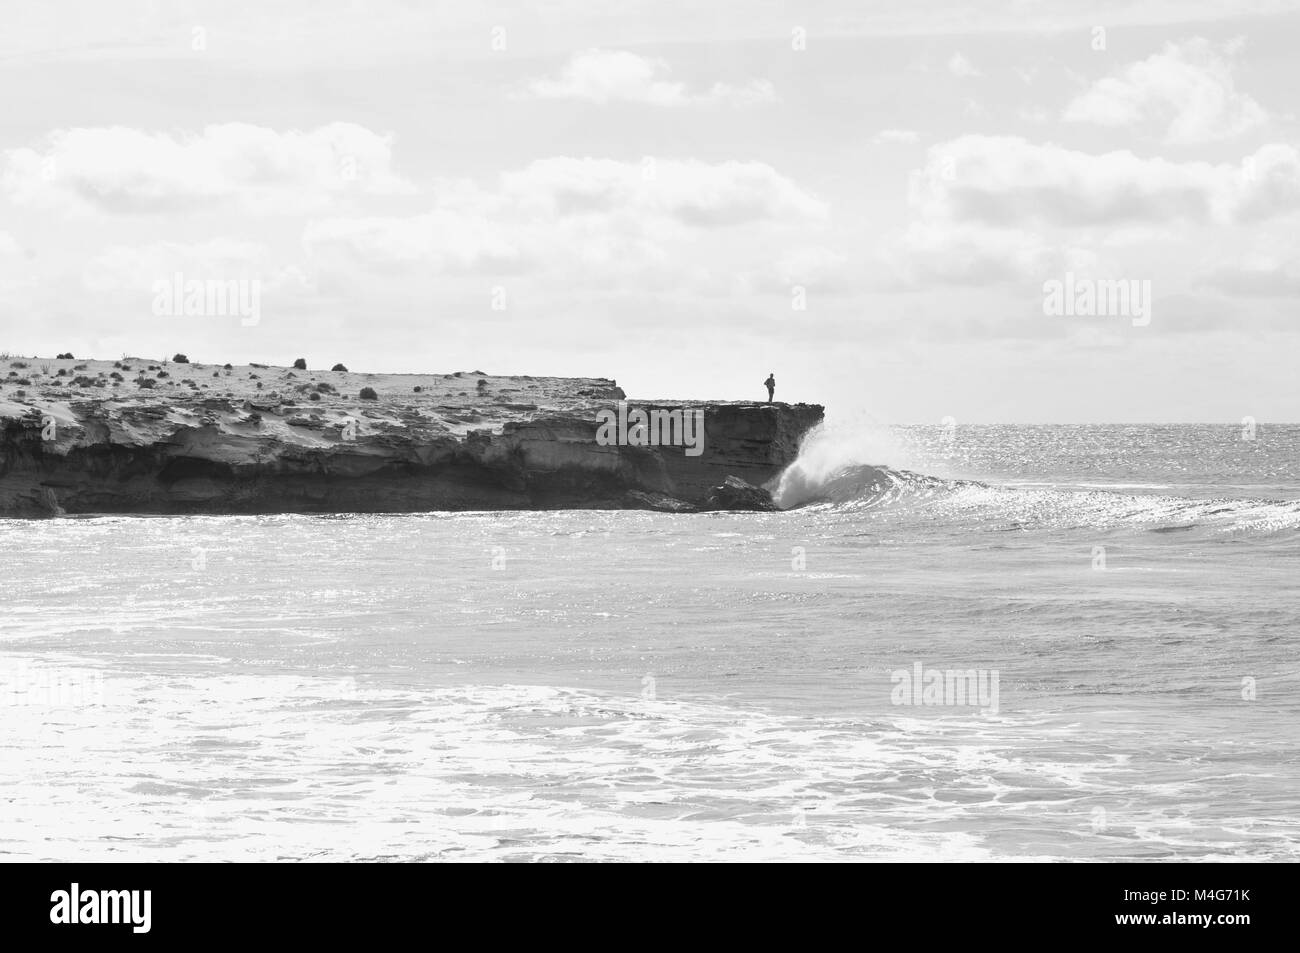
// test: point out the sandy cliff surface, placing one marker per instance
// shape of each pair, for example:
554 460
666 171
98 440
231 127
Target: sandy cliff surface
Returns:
208 438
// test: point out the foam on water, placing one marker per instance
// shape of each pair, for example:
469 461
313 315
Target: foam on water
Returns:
470 685
276 767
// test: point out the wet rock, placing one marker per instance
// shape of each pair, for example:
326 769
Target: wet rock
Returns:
735 494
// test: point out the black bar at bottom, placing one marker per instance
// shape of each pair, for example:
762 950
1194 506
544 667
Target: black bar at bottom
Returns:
143 903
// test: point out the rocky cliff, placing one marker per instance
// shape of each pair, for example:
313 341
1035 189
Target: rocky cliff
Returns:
153 437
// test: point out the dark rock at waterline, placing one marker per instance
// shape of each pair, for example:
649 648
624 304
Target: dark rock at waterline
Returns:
736 494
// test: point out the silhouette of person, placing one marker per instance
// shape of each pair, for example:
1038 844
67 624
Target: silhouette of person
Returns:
770 384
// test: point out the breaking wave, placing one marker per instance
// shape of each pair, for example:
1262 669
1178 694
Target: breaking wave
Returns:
832 470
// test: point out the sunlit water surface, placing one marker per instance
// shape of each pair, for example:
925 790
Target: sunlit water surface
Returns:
627 685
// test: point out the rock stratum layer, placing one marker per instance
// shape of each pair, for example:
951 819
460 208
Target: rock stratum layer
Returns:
208 439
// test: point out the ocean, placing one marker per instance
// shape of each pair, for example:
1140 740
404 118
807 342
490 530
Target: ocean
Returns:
1120 603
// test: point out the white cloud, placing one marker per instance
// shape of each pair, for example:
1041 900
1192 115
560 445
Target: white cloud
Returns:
900 136
606 76
591 218
944 253
686 191
137 267
132 270
15 274
1187 88
1266 275
1003 180
443 241
815 268
961 67
122 170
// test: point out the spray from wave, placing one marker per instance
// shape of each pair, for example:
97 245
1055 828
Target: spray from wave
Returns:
844 466
843 463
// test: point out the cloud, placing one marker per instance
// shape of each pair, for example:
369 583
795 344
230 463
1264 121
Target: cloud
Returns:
130 271
961 67
814 268
1004 180
944 253
443 241
686 191
585 220
258 170
606 76
1262 276
15 271
301 35
137 267
1187 88
900 136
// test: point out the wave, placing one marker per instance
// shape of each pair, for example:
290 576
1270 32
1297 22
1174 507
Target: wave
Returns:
829 472
835 465
862 484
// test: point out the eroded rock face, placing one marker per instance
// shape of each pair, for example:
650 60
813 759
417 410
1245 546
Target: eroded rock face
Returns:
513 443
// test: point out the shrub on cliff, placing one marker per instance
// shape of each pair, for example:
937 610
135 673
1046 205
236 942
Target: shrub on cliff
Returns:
300 364
226 367
313 396
145 383
339 367
368 393
180 359
418 388
64 357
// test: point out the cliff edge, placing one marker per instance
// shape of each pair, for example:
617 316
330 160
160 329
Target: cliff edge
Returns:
153 437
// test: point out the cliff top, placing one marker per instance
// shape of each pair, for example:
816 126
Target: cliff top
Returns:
297 403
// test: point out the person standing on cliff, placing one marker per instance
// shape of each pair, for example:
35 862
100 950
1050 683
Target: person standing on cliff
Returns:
770 384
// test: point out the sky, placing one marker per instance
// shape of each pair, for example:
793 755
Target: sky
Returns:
872 201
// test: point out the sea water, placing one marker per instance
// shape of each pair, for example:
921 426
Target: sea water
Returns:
589 685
